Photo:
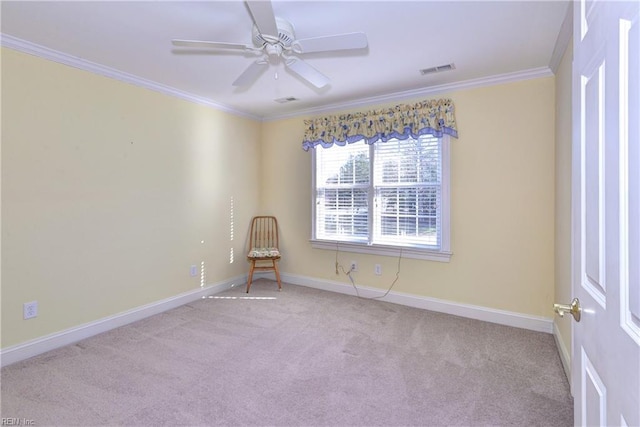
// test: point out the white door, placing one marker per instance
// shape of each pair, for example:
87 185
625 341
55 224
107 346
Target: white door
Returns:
606 213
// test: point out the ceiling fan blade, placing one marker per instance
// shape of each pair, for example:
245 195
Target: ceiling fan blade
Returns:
307 72
265 20
335 42
204 44
251 73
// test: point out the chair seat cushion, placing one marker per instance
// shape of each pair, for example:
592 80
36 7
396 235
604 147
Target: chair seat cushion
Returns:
264 253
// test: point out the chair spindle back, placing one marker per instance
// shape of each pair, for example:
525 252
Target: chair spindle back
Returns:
264 232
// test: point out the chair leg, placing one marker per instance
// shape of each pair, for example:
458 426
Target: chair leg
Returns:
253 265
275 267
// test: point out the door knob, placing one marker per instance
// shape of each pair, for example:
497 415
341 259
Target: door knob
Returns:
573 309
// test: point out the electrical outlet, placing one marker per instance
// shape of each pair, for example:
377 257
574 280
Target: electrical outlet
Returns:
193 271
354 266
30 310
378 269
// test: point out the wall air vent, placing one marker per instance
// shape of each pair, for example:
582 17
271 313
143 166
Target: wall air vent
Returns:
286 99
439 68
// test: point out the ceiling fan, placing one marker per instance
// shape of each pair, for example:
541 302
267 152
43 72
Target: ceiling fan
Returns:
274 40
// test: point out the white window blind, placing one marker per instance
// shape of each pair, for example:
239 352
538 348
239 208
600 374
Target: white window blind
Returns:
342 193
389 194
407 185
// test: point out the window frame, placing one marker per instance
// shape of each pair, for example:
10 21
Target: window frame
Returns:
407 251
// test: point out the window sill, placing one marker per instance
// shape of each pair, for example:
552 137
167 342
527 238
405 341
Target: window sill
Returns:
383 250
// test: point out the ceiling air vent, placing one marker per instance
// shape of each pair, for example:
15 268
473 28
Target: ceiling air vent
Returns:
286 99
439 68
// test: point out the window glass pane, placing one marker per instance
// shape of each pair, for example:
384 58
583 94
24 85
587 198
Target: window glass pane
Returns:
397 161
429 215
342 212
342 192
430 164
406 187
343 165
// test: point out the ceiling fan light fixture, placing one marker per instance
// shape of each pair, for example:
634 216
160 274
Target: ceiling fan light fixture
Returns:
273 50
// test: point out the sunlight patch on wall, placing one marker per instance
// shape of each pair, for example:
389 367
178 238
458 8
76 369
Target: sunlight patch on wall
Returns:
203 275
231 231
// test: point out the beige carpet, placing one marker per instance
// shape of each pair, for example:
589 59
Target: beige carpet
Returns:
296 357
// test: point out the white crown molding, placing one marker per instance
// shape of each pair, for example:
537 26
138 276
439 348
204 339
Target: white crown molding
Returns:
82 64
50 342
562 42
517 76
508 318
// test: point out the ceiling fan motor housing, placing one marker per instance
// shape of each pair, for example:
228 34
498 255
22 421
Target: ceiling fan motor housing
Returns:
286 35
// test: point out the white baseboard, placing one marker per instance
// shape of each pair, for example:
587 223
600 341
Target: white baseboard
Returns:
565 355
508 318
41 345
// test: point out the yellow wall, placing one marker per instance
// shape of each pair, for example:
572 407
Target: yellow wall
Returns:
502 203
563 293
108 190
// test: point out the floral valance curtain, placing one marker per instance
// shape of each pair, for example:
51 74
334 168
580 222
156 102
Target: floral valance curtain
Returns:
433 117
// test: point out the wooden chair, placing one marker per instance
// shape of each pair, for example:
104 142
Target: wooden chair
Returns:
264 247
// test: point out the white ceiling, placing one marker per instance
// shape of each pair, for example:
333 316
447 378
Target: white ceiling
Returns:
484 39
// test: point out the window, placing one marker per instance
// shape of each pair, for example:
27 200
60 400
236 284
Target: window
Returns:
382 197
